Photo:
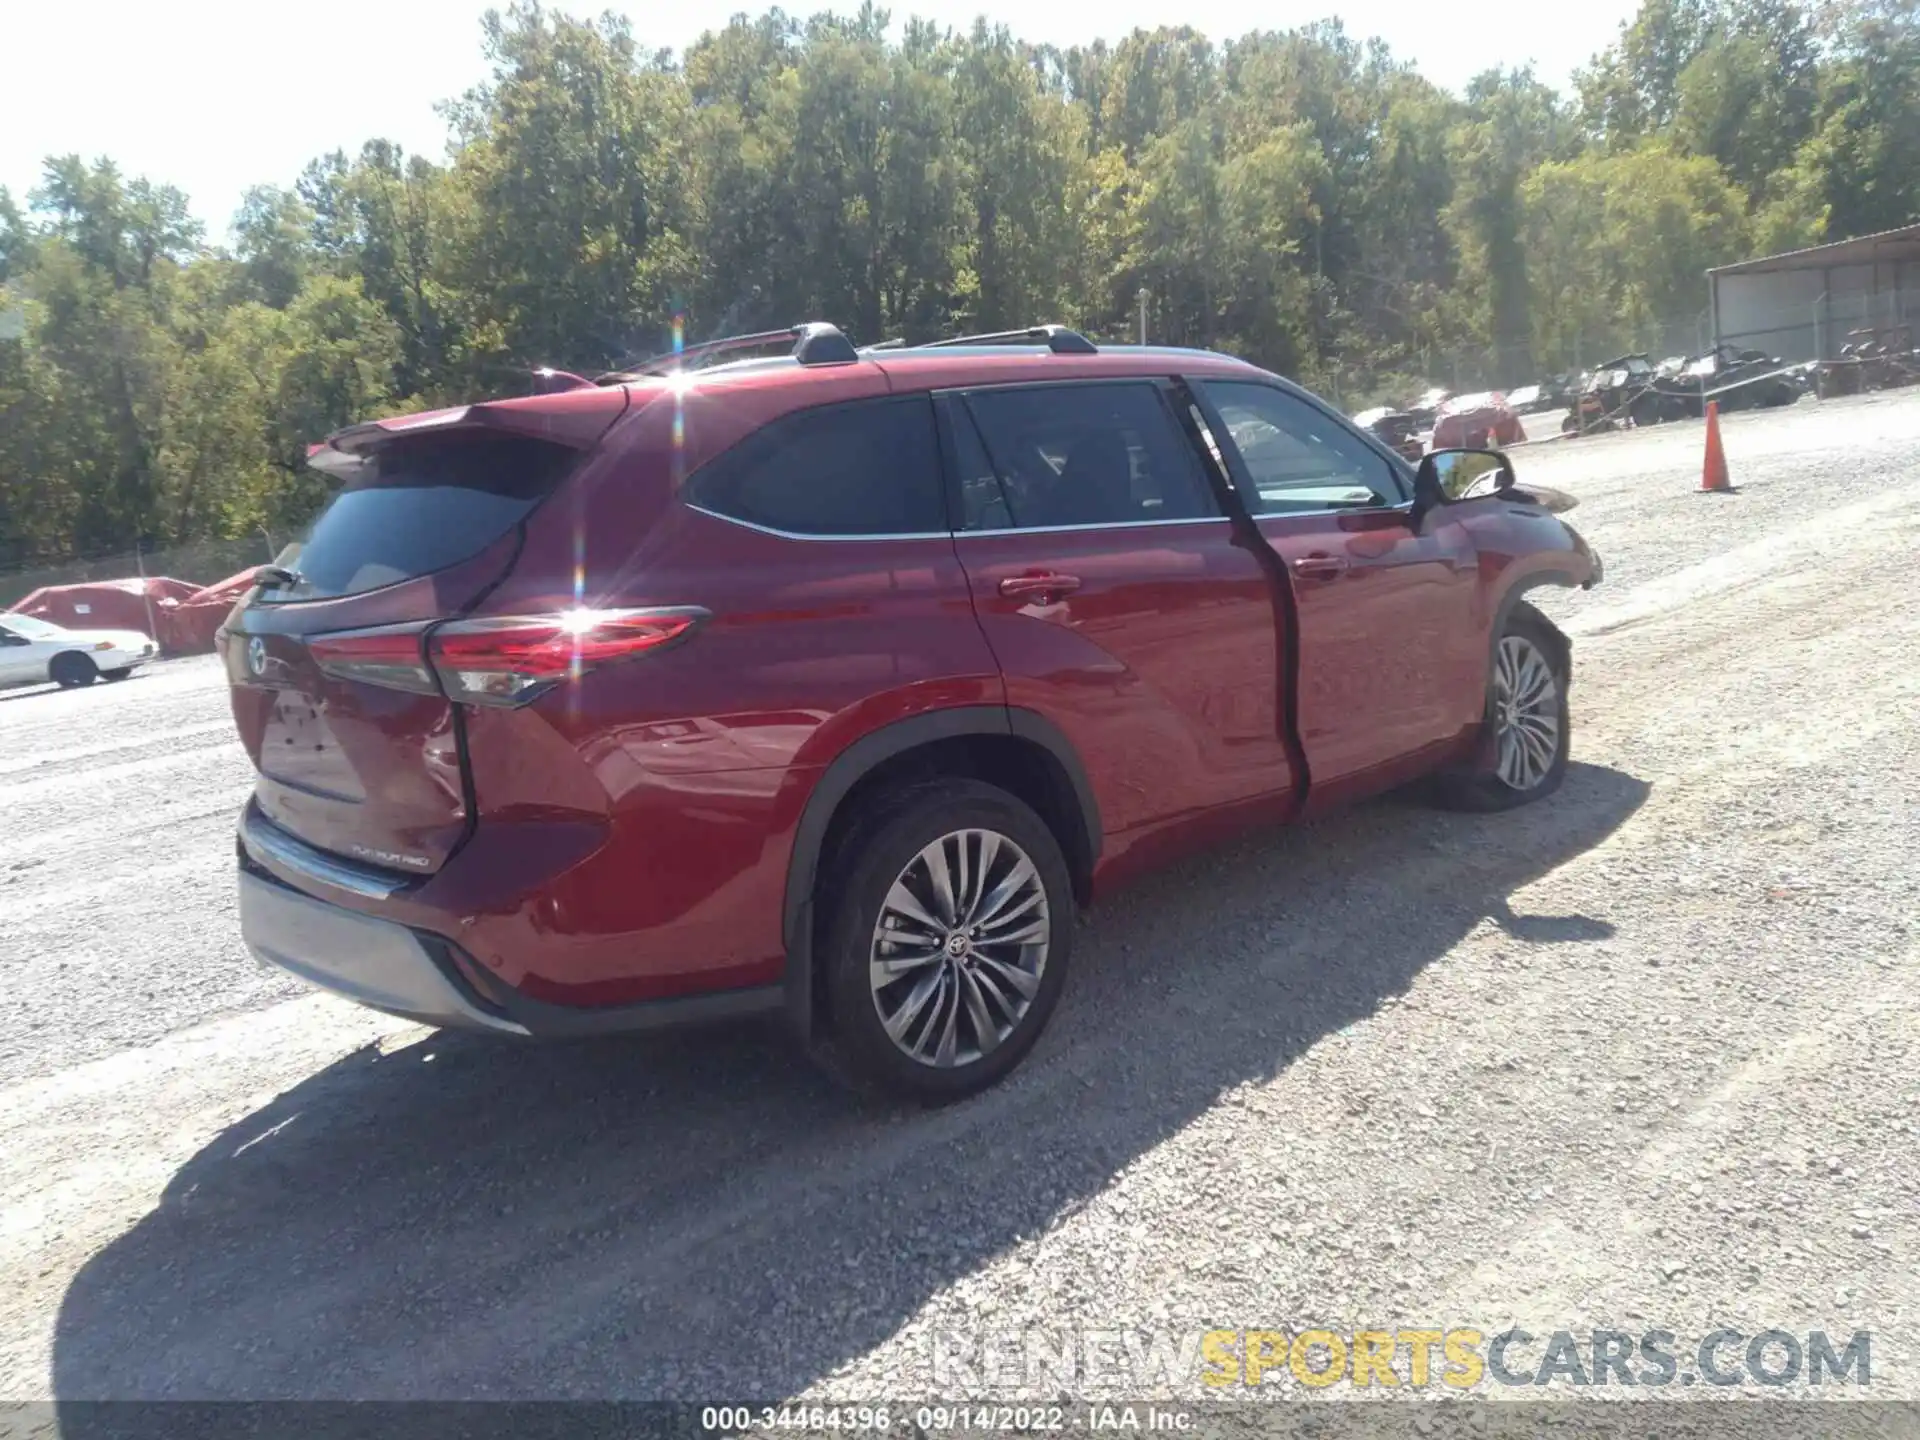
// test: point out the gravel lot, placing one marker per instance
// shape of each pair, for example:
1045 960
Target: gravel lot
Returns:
1641 1057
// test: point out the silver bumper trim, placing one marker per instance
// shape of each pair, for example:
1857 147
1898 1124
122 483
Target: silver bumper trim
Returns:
266 841
374 962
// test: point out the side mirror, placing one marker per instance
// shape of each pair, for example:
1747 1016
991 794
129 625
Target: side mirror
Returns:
1445 476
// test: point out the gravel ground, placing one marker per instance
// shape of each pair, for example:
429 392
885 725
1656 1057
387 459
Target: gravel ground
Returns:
1641 1057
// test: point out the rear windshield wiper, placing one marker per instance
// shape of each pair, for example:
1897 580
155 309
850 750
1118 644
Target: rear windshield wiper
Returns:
277 577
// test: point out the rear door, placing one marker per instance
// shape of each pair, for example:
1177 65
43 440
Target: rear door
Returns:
1117 599
423 525
1392 641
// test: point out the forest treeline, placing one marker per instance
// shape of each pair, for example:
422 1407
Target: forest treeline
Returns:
1305 199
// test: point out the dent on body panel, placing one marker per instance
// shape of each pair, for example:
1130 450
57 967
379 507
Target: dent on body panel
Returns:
1520 545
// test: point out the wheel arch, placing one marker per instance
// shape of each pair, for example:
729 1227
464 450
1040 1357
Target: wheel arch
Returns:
1515 595
68 658
1019 750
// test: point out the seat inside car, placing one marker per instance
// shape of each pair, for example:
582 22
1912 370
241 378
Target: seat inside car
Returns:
1095 486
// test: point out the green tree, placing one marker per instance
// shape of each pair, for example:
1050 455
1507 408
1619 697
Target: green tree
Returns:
1513 124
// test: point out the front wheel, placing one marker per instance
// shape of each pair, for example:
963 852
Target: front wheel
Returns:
1528 735
950 922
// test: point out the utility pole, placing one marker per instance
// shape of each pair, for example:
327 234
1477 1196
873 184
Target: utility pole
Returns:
1143 314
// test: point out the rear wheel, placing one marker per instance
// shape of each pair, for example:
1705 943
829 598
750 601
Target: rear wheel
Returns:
950 922
1528 735
72 670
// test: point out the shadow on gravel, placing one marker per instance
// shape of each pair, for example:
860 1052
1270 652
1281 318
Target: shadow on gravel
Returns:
701 1215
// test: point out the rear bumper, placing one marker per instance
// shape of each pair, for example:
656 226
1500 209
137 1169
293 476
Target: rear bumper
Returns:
417 974
375 962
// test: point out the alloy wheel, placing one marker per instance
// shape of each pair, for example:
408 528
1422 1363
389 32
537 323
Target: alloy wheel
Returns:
959 948
1526 700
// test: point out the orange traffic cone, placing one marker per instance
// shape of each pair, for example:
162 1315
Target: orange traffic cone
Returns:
1713 475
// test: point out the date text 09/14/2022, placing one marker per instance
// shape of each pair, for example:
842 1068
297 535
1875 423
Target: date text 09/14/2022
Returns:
936 1419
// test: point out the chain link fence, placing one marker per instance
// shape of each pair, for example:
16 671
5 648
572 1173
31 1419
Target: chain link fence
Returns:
1359 382
203 562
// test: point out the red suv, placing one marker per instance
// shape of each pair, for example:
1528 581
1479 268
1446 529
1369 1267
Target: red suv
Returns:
837 682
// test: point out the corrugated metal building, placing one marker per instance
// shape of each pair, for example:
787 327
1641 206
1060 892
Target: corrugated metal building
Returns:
1805 304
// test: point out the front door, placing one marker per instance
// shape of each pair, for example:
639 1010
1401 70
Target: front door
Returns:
20 659
1117 597
1392 645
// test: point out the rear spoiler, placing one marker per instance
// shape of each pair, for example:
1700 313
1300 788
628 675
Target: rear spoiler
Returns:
574 418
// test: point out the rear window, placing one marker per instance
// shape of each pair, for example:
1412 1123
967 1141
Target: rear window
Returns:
419 505
871 467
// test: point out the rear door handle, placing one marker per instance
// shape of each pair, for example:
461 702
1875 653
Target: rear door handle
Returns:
1320 567
1041 588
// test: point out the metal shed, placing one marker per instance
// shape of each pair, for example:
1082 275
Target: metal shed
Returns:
1804 304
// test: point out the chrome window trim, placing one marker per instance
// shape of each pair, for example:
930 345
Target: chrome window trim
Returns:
961 534
1103 525
797 535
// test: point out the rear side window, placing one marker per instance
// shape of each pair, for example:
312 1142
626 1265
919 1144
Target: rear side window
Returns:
418 505
1107 454
868 468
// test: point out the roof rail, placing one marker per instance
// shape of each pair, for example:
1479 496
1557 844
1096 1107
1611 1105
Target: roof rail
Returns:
822 344
815 343
1057 338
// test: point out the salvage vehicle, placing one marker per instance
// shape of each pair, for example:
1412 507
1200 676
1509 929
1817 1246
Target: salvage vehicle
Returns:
834 683
1397 429
1556 392
1427 408
1476 422
1740 379
1618 394
35 652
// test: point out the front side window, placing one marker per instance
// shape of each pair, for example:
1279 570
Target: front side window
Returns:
1300 458
1069 455
867 468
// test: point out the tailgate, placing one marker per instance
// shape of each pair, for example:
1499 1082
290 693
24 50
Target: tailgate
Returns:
364 762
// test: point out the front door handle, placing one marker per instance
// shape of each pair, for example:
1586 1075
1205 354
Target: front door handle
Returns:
1041 588
1318 566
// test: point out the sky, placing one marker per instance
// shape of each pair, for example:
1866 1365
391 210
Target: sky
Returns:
215 95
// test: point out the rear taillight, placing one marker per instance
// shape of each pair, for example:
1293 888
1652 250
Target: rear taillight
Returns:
509 660
388 655
504 660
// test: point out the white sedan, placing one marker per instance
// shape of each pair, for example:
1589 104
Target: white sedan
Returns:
35 651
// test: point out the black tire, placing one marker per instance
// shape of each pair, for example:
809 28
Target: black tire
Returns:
884 840
1481 785
71 670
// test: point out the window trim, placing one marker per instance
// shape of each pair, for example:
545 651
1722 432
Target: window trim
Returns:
956 395
1096 525
798 535
1242 476
889 397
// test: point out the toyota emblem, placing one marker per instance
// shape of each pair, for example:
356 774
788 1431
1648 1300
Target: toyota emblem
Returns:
257 655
